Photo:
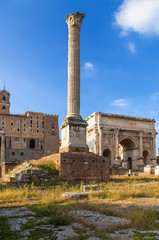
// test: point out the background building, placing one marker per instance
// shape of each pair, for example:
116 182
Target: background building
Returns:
26 136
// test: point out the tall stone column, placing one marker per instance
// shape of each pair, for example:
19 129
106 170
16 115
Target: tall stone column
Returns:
116 132
73 129
100 141
153 148
74 26
116 136
141 144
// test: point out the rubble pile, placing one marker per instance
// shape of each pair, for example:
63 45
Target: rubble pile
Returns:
31 175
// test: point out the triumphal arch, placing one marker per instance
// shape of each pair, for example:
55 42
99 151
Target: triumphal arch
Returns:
125 140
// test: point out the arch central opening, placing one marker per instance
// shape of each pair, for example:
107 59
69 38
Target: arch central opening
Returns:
127 152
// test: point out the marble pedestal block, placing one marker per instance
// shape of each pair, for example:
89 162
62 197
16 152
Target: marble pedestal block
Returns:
73 132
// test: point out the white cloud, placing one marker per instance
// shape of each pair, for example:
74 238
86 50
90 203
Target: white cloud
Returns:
88 66
120 103
132 47
141 16
155 96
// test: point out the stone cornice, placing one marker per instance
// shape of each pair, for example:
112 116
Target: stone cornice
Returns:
72 121
111 115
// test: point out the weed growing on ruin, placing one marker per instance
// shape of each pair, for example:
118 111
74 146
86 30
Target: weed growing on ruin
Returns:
5 231
51 169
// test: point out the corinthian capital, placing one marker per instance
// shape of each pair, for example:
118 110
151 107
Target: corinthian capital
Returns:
75 19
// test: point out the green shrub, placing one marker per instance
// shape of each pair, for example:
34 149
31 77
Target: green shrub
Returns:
143 218
50 168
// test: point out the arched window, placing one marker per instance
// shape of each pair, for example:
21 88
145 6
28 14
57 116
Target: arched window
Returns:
32 144
3 108
4 98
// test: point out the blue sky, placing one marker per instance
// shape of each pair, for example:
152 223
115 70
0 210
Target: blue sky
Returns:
119 56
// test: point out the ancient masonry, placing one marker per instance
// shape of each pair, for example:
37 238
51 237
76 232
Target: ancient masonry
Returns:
125 140
25 136
74 161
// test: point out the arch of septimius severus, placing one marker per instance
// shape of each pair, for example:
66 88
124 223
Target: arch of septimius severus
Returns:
125 140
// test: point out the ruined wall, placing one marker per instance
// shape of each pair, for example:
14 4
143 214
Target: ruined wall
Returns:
83 166
6 167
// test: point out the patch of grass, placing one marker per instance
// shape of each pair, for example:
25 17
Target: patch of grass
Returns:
51 169
46 210
143 218
80 231
5 231
101 208
29 225
39 233
142 236
103 235
59 220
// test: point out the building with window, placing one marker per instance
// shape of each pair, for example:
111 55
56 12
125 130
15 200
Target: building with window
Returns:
26 136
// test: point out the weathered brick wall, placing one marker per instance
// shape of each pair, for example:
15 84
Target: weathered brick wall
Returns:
83 166
74 149
117 171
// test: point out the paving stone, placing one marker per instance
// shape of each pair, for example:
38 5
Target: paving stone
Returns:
67 232
16 212
98 219
126 234
77 225
16 223
93 238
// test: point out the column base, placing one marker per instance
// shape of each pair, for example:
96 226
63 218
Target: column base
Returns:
73 135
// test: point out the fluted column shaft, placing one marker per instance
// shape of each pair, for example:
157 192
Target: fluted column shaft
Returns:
73 102
141 144
116 132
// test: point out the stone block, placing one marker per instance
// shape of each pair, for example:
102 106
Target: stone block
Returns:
149 169
74 195
157 170
86 188
36 171
95 187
